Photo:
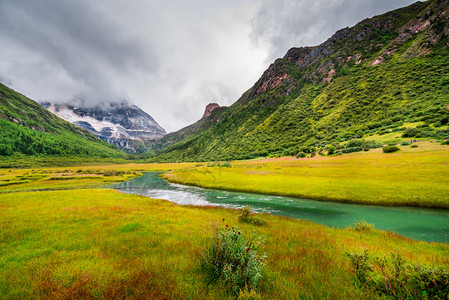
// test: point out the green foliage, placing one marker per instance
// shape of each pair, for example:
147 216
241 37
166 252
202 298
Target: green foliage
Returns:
330 150
361 264
362 225
390 149
247 216
411 132
300 154
233 258
399 279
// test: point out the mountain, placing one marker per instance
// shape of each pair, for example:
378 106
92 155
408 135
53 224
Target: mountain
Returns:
28 128
121 124
385 74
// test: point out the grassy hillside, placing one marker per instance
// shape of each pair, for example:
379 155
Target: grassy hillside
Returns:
386 74
99 243
28 129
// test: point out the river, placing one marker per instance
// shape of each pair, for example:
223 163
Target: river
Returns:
430 225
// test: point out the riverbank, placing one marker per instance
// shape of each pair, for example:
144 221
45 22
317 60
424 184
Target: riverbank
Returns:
411 177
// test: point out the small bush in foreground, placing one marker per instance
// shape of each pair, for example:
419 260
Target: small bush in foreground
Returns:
361 264
394 277
362 225
247 216
234 258
390 149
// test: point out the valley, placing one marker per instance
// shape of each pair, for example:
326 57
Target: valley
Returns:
327 179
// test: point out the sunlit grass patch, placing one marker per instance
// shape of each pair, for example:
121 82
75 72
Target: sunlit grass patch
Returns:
413 177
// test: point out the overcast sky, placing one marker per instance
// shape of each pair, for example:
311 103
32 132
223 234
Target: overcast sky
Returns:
171 58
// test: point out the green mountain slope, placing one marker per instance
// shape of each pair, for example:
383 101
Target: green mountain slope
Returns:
373 78
29 129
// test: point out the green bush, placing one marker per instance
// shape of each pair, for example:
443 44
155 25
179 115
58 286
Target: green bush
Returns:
301 154
405 143
393 277
247 216
361 264
411 132
362 225
330 150
234 259
390 149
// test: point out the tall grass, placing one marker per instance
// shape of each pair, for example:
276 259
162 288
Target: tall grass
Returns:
99 243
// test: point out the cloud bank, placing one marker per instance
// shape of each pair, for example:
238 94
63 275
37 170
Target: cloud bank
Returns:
170 57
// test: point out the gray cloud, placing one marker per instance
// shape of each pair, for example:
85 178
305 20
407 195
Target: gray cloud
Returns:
169 57
283 24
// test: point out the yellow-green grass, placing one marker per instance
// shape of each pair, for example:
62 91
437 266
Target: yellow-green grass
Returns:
411 177
100 243
15 180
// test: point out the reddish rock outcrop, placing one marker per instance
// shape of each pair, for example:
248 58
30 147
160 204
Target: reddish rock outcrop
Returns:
209 109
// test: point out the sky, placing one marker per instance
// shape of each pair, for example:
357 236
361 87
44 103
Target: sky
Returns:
170 58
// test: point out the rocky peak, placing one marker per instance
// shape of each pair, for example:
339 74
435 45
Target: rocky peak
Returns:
385 34
121 124
209 109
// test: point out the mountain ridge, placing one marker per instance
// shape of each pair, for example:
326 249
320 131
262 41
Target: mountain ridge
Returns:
26 128
364 78
121 124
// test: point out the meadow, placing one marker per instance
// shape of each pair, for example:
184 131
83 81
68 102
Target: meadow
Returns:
100 243
63 235
411 177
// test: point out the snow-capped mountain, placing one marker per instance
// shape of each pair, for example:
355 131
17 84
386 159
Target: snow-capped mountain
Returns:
121 124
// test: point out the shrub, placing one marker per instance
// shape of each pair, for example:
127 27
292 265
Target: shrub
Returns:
405 143
390 149
355 143
110 173
301 154
247 216
400 280
362 225
330 150
361 264
233 258
411 132
414 146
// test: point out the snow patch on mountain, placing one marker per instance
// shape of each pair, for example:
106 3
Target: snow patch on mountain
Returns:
121 124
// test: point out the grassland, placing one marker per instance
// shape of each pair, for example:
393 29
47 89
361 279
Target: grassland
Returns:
41 179
61 238
99 243
410 177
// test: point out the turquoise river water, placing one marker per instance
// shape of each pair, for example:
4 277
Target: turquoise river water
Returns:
430 225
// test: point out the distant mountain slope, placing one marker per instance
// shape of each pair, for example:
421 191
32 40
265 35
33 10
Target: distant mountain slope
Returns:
372 78
28 128
121 124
